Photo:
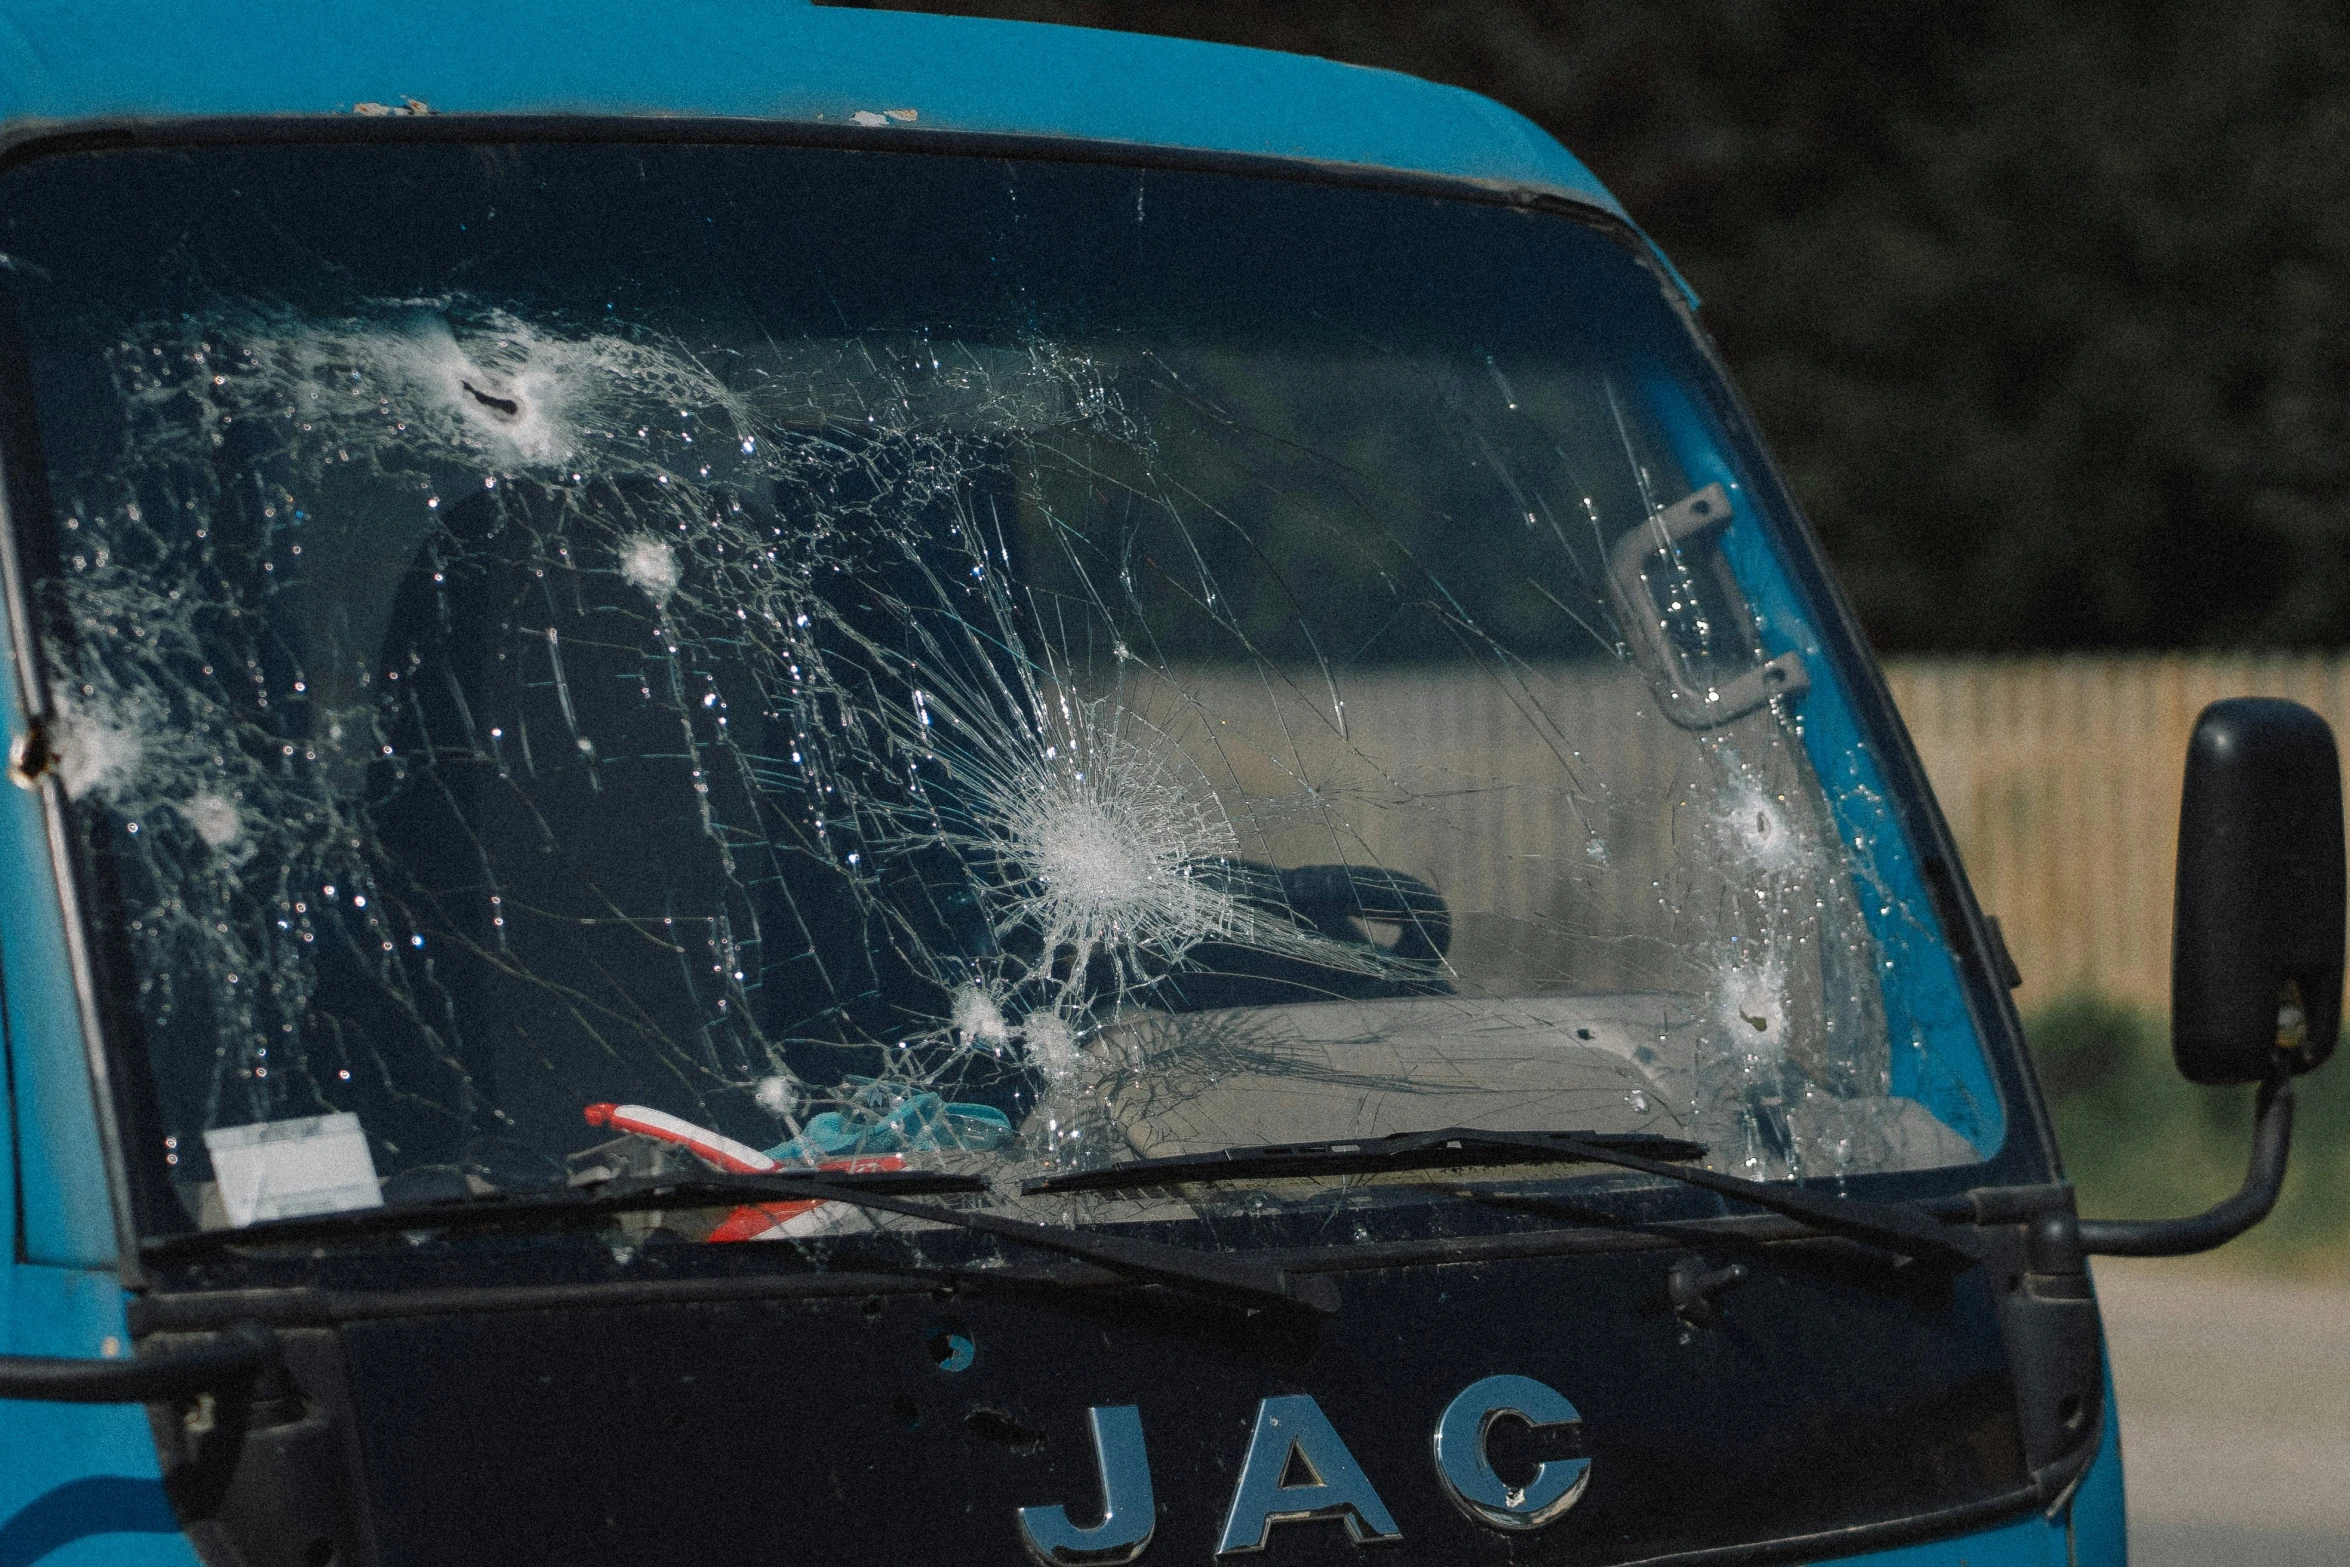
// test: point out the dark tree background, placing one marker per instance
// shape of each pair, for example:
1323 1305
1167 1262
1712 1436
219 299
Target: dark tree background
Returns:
2045 305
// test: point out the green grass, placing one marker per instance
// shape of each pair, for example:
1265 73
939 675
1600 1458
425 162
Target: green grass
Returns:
2140 1142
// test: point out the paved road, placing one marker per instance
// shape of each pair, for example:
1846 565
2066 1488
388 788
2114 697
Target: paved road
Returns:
2235 1400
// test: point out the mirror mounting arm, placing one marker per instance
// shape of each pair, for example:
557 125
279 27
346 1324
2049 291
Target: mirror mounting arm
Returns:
2272 1139
244 1356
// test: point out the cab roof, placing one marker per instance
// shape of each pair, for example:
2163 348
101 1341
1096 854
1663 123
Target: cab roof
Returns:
774 60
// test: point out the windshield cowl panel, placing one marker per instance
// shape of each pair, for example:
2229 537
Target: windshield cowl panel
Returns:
582 664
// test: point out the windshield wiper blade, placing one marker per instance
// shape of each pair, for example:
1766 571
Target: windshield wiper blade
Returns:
1451 1147
1233 1279
488 1209
1903 1230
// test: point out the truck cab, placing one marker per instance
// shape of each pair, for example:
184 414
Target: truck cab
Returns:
793 784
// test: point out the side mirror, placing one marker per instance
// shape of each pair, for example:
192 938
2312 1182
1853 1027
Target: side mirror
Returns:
2256 949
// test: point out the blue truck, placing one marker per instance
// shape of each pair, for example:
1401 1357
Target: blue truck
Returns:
809 785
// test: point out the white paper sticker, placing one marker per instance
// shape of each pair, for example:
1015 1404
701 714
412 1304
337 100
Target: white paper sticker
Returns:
284 1169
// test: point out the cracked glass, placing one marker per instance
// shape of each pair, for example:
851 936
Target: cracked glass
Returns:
566 659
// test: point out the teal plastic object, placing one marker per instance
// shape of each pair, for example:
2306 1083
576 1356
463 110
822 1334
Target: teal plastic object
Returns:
881 1120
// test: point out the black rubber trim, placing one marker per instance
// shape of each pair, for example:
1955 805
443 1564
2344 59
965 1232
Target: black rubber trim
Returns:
2058 1482
2272 1144
236 1359
1948 1523
189 1310
113 134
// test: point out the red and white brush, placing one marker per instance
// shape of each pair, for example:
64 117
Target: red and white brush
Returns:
753 1221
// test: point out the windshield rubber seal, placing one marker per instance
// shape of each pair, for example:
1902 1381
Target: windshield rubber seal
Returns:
136 1189
28 140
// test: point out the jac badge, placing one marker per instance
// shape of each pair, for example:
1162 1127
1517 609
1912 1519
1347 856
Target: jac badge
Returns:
1468 1475
1295 1428
1128 1511
1293 1437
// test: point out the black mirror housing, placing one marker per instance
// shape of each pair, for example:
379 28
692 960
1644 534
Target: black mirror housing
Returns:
2256 945
2257 941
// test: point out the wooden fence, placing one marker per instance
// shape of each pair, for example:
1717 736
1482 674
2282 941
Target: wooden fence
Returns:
2060 777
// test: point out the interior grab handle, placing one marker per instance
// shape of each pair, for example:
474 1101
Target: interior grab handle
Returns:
1690 699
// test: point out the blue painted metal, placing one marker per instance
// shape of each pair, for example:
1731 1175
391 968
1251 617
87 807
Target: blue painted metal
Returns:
68 1219
767 59
97 1520
2100 1526
2032 1542
80 1482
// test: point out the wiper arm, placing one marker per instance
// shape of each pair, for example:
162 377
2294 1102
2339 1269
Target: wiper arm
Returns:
1238 1280
1902 1230
1896 1229
489 1209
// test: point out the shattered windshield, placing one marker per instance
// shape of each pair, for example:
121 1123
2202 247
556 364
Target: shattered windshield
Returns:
571 658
